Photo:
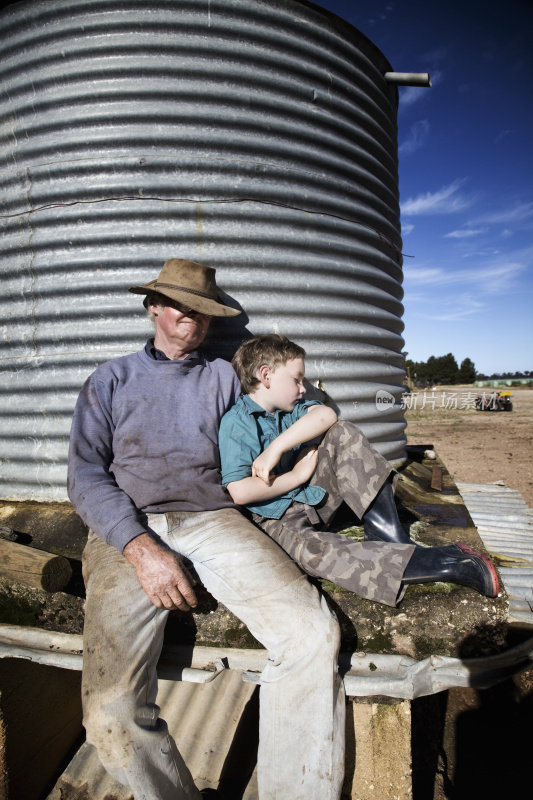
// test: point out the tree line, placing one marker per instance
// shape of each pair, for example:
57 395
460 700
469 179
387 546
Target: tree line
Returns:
445 370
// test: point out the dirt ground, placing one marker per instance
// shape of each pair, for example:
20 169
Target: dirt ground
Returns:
479 738
475 446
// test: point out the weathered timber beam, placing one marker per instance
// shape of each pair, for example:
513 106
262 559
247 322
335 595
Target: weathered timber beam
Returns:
33 567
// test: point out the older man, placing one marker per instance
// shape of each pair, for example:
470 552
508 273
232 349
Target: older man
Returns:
144 476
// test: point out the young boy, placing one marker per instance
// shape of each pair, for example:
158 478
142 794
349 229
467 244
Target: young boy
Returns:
291 463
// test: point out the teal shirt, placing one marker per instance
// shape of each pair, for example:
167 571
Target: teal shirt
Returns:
245 431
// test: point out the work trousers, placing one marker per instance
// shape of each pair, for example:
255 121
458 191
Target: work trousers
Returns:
302 704
350 470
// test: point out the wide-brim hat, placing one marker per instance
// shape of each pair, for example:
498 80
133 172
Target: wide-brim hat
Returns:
191 284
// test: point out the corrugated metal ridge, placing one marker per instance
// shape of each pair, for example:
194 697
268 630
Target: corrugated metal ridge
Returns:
505 525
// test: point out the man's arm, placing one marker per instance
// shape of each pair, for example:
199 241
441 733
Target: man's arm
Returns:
315 422
92 488
109 512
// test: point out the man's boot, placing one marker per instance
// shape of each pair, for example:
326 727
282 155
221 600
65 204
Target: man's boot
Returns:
380 521
454 563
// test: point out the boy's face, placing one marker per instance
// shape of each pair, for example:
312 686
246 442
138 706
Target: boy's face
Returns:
286 385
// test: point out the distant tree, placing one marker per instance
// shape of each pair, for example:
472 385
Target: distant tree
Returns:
503 376
440 369
467 372
423 371
446 369
427 370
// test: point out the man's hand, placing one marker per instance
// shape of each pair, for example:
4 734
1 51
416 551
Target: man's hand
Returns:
161 574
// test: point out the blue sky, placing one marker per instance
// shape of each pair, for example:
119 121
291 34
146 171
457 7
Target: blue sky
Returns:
466 178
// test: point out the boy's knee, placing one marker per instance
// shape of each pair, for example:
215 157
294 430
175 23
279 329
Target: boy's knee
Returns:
343 431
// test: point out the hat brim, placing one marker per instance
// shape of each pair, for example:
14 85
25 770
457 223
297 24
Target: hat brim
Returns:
204 305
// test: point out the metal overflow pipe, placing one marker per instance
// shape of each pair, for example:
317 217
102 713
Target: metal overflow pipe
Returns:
408 78
365 674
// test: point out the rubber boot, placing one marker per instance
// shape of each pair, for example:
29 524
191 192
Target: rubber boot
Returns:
380 521
455 563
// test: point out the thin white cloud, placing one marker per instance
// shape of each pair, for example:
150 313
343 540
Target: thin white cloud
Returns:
502 135
485 279
500 278
483 253
416 139
447 200
520 212
513 217
409 95
407 229
382 15
423 275
439 55
465 233
459 307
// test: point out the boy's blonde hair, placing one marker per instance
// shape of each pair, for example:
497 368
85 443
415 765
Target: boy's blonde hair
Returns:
271 348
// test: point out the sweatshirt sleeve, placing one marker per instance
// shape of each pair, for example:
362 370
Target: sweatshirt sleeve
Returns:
92 489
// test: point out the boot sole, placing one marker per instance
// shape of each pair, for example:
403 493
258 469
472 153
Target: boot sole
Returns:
492 570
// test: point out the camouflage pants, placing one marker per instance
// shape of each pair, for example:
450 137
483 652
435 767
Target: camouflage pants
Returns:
350 470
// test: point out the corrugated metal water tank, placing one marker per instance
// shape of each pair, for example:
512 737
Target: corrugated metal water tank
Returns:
257 136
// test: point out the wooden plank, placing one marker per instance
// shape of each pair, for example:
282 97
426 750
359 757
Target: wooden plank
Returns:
436 479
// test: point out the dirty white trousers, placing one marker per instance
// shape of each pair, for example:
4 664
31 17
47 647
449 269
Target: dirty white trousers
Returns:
302 704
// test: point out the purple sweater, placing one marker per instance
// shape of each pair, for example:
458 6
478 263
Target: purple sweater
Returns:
144 439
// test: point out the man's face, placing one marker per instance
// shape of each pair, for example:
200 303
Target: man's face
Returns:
178 328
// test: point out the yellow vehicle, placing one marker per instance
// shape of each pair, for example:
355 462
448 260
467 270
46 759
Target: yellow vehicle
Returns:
495 401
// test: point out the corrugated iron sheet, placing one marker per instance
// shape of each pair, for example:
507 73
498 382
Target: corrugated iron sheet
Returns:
505 524
258 137
206 721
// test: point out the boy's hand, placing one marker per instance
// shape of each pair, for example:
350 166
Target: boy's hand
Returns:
306 464
314 423
264 464
257 488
